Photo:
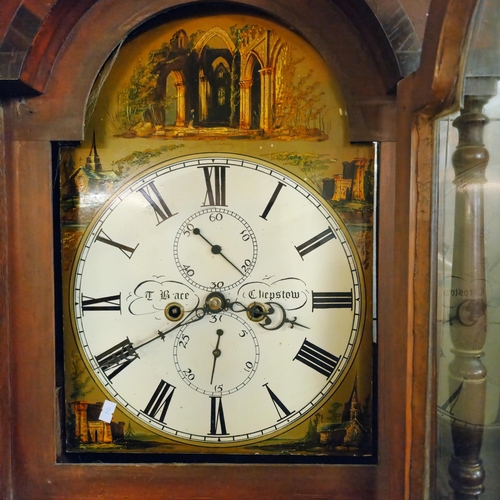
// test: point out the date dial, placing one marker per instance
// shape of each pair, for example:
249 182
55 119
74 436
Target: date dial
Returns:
217 355
215 249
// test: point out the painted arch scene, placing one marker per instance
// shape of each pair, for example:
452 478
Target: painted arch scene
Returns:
242 82
230 83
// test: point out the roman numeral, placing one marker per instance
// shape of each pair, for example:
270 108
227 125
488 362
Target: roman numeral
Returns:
452 400
154 198
317 241
266 211
282 410
161 400
215 180
104 238
332 300
110 303
217 417
117 358
316 358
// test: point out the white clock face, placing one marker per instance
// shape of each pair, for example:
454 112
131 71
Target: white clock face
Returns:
217 300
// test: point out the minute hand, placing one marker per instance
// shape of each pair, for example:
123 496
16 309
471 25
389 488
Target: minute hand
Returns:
118 357
217 249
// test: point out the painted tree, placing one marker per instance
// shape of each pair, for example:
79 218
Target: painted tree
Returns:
136 101
313 165
369 183
129 431
238 35
137 159
335 414
80 380
141 100
312 434
299 99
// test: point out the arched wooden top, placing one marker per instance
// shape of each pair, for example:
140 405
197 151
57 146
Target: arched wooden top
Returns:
64 60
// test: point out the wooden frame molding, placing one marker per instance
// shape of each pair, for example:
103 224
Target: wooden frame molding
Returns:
5 366
365 81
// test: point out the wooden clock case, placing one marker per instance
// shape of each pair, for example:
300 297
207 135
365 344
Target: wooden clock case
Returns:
44 97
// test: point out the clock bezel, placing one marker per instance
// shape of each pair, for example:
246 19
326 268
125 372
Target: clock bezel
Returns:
250 163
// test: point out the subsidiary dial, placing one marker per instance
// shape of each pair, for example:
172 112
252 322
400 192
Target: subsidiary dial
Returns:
217 355
215 249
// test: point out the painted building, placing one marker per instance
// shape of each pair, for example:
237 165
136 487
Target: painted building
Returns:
350 432
354 184
88 427
221 83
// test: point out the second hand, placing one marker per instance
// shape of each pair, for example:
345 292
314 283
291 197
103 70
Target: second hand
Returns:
217 249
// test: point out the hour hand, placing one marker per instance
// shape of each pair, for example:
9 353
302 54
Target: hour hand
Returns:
261 314
268 321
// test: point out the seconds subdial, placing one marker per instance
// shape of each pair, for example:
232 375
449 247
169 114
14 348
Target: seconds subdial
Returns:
215 249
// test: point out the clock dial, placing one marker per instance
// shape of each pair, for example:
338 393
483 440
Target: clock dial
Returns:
218 356
217 300
210 235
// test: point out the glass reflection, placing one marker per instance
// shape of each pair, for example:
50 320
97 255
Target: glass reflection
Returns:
469 301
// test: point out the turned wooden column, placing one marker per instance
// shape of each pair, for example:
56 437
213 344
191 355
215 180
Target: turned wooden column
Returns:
468 317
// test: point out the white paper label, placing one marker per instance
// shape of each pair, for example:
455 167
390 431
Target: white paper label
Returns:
108 409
